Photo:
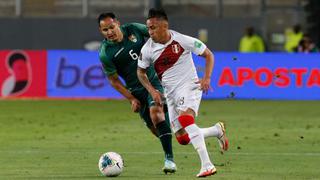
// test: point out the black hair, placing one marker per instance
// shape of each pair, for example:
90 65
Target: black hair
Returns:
250 31
157 13
16 56
102 16
297 28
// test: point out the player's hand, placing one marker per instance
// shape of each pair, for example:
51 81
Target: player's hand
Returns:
205 85
135 105
157 97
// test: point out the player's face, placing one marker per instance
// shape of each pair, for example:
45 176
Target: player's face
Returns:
157 29
110 29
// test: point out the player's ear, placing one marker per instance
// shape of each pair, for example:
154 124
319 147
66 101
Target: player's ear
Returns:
165 24
99 27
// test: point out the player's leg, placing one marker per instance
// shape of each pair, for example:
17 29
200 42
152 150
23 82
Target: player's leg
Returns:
213 131
188 99
181 135
145 116
144 113
186 120
219 131
156 129
164 132
167 130
166 141
158 117
192 96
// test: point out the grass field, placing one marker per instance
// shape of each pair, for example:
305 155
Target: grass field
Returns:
64 139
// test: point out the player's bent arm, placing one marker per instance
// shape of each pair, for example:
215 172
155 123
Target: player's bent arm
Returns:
117 84
207 54
143 78
205 82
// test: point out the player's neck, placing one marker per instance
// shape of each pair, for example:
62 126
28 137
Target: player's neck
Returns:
120 38
166 38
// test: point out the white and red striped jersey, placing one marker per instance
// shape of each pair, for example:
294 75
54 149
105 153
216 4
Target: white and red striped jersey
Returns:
172 61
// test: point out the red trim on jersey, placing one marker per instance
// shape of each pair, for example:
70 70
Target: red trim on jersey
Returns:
168 58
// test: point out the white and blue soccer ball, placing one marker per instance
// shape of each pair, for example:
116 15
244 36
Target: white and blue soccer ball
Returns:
110 164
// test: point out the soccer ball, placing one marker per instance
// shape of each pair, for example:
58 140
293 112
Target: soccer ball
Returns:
110 164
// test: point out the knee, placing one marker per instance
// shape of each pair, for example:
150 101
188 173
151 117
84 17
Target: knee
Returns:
186 120
154 131
157 115
183 139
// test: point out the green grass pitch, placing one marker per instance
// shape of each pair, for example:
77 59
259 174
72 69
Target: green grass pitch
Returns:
64 139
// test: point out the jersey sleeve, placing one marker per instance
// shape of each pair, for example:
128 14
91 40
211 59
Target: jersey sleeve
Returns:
108 66
144 58
142 28
193 44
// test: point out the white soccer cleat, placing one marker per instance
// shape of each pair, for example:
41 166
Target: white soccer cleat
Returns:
207 172
223 140
169 166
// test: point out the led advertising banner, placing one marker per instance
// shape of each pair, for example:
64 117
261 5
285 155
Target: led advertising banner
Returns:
77 74
22 73
264 76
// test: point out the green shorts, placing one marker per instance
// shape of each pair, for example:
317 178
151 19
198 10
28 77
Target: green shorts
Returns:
146 102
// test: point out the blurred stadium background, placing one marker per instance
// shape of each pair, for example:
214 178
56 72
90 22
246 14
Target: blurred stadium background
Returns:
70 24
53 36
274 131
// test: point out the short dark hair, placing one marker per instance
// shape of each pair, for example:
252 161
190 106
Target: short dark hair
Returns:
16 56
157 13
102 16
297 28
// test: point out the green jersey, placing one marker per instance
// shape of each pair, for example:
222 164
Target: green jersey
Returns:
122 58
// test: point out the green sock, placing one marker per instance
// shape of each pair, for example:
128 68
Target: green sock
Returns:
165 137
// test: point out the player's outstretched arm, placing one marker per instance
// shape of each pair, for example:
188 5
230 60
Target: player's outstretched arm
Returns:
117 84
143 78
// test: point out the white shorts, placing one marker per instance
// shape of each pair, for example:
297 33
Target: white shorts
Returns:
182 98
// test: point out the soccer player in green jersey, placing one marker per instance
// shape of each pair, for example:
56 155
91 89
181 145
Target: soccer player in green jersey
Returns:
118 54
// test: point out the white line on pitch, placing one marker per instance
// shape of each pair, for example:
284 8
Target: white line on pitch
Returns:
177 152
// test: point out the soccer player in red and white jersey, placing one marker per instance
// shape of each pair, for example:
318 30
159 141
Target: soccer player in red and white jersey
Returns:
170 53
